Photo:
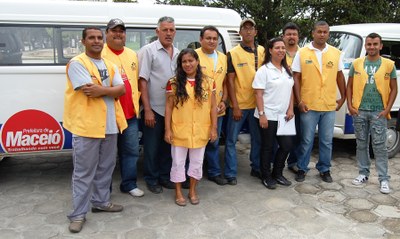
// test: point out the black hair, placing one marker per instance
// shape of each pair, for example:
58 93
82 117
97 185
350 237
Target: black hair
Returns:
268 56
84 32
210 28
375 35
181 78
320 23
292 26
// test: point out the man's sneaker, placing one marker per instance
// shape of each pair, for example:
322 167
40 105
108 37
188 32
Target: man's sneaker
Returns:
218 180
269 183
255 173
385 187
109 208
76 225
136 192
232 181
300 176
326 177
360 179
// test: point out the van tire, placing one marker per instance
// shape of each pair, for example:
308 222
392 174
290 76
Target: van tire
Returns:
393 138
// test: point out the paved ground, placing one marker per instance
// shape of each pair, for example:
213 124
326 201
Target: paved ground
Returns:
35 199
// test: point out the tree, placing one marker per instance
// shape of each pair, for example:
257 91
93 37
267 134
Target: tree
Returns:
271 15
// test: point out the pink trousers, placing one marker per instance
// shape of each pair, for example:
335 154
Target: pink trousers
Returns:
179 155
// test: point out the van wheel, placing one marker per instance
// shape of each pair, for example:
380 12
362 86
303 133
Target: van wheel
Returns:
393 138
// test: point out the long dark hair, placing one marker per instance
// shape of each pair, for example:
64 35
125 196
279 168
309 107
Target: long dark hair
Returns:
268 56
181 78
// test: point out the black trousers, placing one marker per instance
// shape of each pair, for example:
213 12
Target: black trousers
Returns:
268 135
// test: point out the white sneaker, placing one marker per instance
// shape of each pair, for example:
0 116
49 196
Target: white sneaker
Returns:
385 187
360 179
136 192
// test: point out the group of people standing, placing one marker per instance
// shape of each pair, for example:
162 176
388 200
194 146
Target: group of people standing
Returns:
185 95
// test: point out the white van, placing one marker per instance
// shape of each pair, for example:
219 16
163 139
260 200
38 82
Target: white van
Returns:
351 39
38 38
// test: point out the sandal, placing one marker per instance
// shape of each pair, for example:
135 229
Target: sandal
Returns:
194 200
180 202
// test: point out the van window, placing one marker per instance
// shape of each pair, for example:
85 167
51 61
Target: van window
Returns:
391 50
56 45
349 44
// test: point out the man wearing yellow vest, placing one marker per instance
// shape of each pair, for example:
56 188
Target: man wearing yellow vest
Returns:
317 70
213 64
128 142
371 91
291 38
93 114
243 62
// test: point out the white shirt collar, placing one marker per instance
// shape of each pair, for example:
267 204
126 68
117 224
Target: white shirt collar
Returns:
315 49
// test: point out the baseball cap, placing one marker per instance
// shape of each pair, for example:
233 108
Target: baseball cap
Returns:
246 21
113 23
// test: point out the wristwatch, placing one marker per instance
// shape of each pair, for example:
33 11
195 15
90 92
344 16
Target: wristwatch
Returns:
261 113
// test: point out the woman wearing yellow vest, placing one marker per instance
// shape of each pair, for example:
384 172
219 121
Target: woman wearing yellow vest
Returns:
190 121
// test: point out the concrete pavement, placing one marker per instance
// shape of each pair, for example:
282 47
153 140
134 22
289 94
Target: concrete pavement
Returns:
35 198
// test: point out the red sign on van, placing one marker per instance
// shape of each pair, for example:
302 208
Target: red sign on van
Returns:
31 130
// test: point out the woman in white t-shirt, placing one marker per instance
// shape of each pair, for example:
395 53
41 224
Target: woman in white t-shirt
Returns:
273 85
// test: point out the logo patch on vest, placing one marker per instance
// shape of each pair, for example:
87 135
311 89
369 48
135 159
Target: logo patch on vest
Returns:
242 64
329 64
387 76
308 61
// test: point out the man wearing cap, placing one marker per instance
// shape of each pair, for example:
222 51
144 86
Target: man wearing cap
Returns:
93 114
157 64
128 141
243 62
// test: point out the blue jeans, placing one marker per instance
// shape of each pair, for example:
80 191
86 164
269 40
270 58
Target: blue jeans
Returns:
128 154
212 153
296 139
157 152
366 124
308 121
233 129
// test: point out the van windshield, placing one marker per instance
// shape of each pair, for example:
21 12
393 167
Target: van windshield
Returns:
349 44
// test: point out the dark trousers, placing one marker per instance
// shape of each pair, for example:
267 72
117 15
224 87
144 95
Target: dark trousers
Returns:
157 152
268 135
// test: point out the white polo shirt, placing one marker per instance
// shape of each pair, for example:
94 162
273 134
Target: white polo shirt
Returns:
277 86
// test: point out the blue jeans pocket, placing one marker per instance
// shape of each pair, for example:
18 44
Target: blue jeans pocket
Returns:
359 128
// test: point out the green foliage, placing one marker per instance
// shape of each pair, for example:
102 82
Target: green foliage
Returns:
272 15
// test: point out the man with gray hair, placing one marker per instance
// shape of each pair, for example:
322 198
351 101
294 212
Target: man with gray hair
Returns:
157 64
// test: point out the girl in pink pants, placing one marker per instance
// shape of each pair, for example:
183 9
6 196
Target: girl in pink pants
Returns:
190 121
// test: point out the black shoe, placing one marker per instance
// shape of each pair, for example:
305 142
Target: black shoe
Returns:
300 176
218 180
283 181
232 181
156 189
326 177
294 169
255 173
167 184
269 183
186 184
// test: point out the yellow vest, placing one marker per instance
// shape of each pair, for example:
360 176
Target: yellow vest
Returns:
218 75
319 90
244 64
86 116
129 61
191 122
382 80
